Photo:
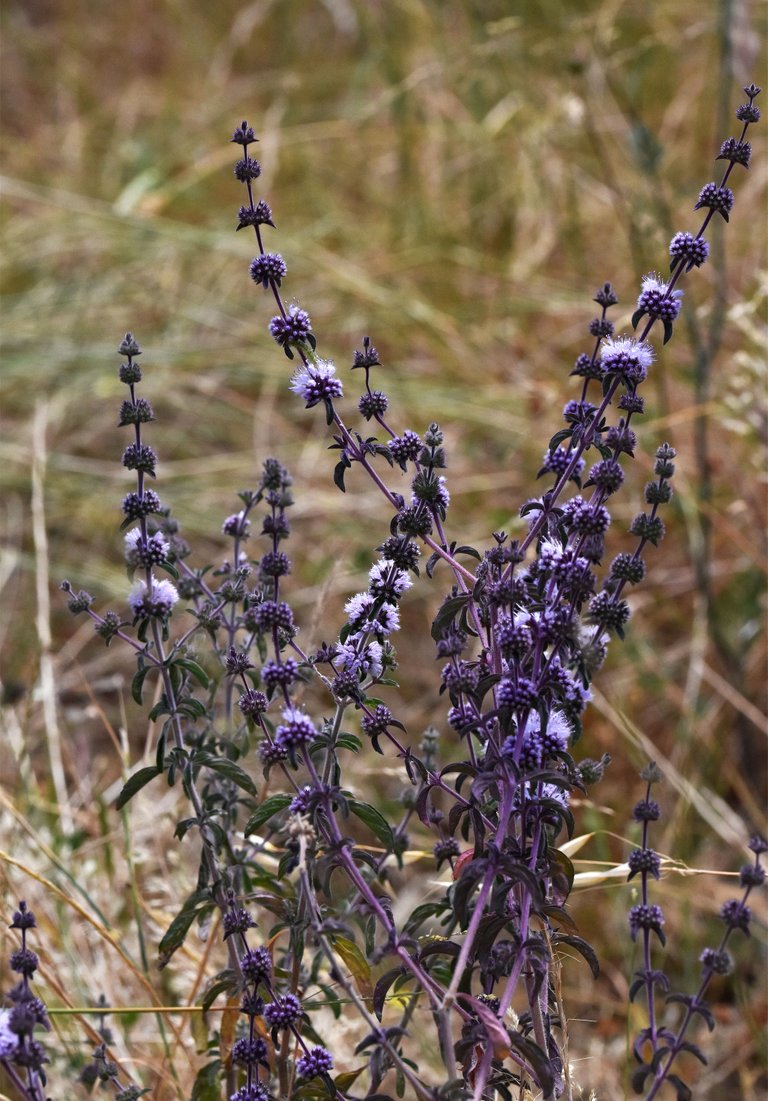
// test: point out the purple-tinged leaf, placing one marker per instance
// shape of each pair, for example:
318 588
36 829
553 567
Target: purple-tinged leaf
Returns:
582 947
637 1081
683 1091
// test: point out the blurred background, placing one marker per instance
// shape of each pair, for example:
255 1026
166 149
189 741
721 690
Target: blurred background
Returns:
455 179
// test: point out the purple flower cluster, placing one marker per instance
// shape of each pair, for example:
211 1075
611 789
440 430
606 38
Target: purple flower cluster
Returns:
297 731
21 1054
154 600
657 1047
317 1061
524 626
291 329
542 610
315 382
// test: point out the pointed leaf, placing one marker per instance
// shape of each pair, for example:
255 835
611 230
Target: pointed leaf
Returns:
160 708
226 768
694 1050
538 1059
381 989
358 965
683 1092
176 934
194 670
183 827
446 614
431 563
471 551
563 873
348 1078
137 684
582 947
207 1086
440 948
135 783
375 821
195 709
560 437
349 741
421 913
223 982
271 806
638 1078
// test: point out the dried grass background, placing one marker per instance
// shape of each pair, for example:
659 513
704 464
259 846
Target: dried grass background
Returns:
455 179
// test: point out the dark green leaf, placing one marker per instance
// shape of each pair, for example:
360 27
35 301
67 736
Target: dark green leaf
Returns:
559 437
440 948
349 741
183 827
221 983
638 985
369 932
137 684
160 753
332 1002
226 768
177 931
422 912
558 915
192 707
374 820
701 1008
194 670
271 806
347 1078
159 709
447 612
464 890
489 928
207 1086
136 783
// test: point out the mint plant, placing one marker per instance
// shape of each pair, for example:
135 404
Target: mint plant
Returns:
22 1054
310 912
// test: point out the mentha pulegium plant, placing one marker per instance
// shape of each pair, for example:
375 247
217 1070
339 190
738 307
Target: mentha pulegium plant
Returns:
520 634
541 625
658 1046
22 1055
